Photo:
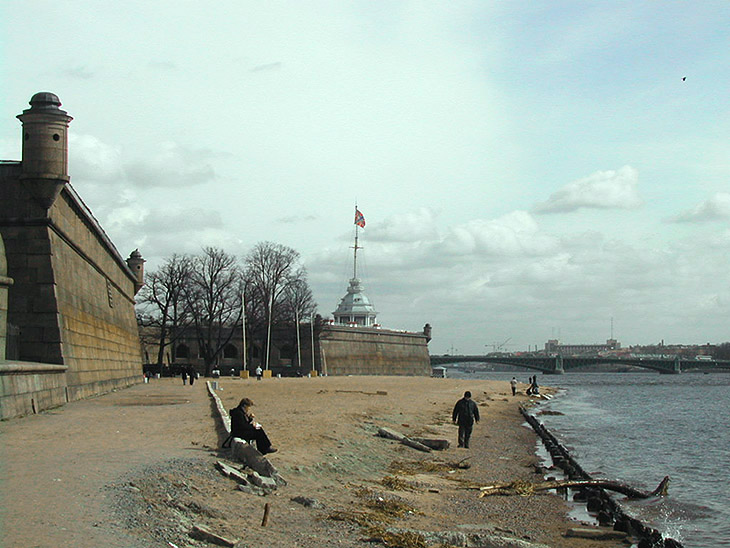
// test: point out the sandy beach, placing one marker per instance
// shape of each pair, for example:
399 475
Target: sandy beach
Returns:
135 468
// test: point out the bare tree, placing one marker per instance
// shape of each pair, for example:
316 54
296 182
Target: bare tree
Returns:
274 281
164 307
214 297
722 352
298 301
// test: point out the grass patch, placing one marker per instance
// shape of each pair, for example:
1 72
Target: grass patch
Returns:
363 519
397 540
396 484
390 508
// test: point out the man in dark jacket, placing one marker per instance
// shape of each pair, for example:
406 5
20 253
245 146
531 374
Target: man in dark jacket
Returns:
465 414
245 427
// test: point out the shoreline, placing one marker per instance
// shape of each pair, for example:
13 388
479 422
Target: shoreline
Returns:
503 449
135 468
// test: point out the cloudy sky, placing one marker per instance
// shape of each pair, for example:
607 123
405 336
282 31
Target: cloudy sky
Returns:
527 170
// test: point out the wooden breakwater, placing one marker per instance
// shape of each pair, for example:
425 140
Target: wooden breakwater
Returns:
608 512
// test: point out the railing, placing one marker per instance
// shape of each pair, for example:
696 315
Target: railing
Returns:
559 364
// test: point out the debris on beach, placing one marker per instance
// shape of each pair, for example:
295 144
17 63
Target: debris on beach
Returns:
200 532
391 434
412 538
402 539
526 488
396 484
377 393
433 443
422 444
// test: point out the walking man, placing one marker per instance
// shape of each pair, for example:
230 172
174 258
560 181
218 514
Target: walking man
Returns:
465 414
259 372
513 384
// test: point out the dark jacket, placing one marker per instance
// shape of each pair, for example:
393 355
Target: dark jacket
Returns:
241 423
465 411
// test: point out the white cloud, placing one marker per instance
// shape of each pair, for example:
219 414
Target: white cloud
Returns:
171 165
514 234
407 227
716 208
92 159
601 190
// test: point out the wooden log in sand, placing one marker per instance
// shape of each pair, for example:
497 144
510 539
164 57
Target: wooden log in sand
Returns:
405 440
527 488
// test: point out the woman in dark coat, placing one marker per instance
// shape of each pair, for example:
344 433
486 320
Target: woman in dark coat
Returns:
245 427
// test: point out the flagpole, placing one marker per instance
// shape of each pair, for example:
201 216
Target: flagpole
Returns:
243 326
299 342
311 330
268 334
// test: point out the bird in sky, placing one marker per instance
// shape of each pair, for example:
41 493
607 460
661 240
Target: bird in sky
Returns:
684 78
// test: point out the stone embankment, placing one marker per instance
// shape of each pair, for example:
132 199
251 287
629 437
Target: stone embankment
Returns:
608 512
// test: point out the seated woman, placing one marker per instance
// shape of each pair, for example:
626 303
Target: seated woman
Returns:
245 427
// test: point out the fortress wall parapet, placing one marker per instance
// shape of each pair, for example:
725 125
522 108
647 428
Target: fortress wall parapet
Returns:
27 388
348 350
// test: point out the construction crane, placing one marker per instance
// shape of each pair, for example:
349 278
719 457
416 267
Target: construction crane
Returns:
497 347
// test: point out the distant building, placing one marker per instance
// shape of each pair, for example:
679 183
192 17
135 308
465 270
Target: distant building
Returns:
67 323
355 308
554 346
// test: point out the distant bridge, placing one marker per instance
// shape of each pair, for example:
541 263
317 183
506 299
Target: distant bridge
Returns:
557 365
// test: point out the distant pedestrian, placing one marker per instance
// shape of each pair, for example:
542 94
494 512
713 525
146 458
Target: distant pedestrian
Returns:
192 377
184 376
465 414
513 384
259 372
532 385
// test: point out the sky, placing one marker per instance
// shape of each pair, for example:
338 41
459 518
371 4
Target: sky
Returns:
527 170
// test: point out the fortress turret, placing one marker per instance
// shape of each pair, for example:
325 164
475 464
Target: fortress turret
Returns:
135 262
45 148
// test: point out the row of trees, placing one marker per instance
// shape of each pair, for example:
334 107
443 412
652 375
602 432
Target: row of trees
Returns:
203 295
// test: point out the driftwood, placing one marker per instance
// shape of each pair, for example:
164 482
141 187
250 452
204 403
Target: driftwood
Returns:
526 488
438 445
405 440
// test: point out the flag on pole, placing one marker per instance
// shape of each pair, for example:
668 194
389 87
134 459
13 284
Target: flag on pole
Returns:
359 219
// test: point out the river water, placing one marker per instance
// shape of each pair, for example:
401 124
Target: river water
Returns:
639 427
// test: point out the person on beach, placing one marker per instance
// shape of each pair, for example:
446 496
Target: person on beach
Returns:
259 372
244 426
513 384
192 377
184 376
465 414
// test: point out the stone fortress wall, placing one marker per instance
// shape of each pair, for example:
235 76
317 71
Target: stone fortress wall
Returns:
71 301
346 350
